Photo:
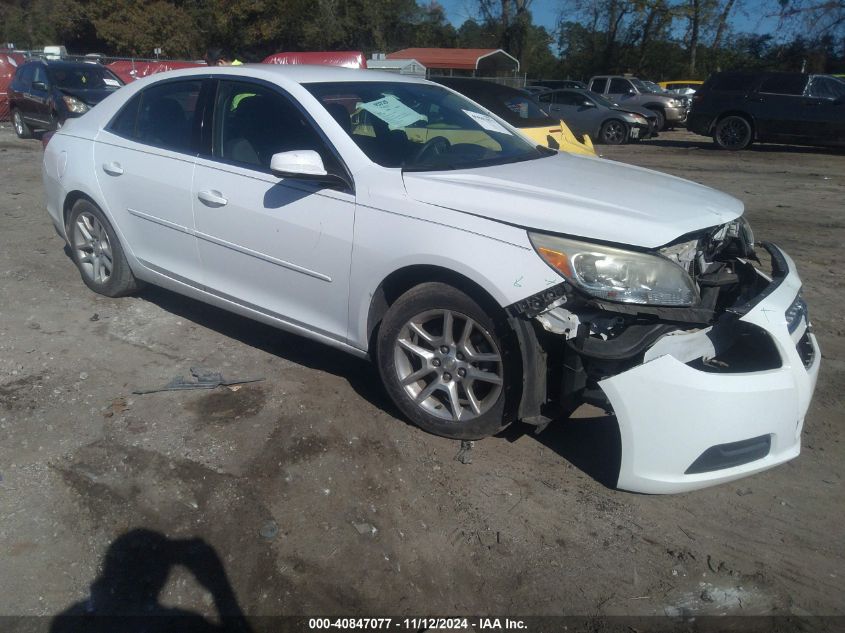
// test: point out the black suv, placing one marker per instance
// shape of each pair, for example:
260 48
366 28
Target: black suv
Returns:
737 108
44 94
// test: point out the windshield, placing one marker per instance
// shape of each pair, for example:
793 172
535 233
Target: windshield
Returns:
83 77
639 85
420 127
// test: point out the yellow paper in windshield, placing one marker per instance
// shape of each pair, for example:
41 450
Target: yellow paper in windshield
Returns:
393 112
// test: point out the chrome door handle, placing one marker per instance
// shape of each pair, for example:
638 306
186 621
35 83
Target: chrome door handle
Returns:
113 168
212 198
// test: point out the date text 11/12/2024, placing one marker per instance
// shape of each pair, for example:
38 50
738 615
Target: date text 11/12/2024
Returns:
416 624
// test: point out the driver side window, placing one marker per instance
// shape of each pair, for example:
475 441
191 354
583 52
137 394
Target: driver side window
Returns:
253 122
619 87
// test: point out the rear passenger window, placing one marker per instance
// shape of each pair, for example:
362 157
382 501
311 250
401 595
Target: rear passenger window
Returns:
598 85
124 124
730 83
167 115
164 115
784 84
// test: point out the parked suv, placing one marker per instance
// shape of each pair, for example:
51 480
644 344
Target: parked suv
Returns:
44 94
737 108
625 91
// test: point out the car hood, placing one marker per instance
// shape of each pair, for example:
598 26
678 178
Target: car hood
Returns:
635 110
88 97
579 196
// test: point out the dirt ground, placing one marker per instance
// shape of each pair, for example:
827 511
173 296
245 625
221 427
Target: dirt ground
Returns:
319 499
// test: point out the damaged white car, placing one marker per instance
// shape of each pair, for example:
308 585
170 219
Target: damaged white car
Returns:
489 279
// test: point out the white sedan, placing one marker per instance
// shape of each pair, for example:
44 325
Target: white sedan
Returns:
489 279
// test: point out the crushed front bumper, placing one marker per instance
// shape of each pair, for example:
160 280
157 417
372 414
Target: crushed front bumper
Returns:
684 428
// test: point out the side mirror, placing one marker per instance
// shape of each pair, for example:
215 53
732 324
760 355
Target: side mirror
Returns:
39 85
588 104
303 163
631 91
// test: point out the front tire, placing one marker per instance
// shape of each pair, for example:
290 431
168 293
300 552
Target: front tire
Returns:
733 133
22 130
446 364
97 252
660 125
614 132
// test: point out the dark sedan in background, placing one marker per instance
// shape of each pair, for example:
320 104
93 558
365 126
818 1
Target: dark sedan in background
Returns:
739 108
586 112
44 94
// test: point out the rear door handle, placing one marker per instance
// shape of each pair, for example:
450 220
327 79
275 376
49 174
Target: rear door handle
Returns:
212 198
113 168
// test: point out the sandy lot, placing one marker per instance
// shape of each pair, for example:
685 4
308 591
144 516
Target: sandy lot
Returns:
318 498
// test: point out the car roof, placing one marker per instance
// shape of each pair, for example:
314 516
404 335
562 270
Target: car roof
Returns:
61 63
297 73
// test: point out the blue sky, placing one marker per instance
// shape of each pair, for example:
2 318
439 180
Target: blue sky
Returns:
546 14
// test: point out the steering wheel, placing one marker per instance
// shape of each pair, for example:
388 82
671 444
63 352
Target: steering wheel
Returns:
435 146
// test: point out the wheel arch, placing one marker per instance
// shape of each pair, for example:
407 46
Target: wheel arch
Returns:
71 199
403 279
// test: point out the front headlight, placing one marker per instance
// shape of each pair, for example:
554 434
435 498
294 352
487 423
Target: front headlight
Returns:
75 105
615 274
674 103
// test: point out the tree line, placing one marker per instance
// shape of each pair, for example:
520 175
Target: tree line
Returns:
652 38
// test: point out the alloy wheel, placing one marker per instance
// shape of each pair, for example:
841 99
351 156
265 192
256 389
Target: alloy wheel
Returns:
18 122
92 247
448 365
614 133
733 133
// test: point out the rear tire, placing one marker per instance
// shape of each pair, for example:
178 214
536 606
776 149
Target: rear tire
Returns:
97 252
22 130
734 133
446 364
614 132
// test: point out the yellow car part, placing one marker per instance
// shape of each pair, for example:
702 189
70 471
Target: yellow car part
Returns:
563 136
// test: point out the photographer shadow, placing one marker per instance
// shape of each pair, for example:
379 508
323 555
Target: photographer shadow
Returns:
125 597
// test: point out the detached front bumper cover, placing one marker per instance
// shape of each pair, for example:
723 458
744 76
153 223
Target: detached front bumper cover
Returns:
683 428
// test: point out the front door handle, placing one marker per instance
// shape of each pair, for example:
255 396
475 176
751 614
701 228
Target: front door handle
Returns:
212 198
113 168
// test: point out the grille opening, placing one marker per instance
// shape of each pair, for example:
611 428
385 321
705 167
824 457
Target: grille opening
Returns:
752 350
